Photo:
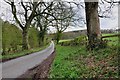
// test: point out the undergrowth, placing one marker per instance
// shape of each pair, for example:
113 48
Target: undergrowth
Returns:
77 62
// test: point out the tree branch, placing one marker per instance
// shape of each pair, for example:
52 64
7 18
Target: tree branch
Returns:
25 9
15 15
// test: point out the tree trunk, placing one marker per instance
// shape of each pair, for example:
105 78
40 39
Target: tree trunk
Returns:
93 23
41 42
41 38
58 36
25 39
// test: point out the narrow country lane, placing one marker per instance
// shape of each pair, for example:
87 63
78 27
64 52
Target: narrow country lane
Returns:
16 67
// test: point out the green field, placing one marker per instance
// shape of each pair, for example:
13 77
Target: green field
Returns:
112 41
77 62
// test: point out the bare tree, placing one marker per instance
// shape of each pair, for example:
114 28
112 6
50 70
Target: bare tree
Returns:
29 10
64 15
42 21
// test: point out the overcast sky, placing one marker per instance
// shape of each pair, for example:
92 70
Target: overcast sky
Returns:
105 23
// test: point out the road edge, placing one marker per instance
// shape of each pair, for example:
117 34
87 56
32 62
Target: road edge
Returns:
40 71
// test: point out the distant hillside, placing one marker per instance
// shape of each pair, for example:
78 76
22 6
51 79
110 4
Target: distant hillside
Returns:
74 34
70 34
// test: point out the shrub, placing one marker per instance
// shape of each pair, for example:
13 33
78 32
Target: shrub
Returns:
81 40
66 43
11 37
33 37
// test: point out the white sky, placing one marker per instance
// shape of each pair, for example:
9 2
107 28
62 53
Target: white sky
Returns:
108 23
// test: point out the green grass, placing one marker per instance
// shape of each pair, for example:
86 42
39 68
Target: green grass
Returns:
61 66
77 62
112 41
21 53
0 56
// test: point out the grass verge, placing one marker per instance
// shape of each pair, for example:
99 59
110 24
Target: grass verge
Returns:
77 62
112 41
21 53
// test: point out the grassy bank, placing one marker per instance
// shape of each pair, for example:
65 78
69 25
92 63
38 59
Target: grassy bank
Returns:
77 62
21 53
112 41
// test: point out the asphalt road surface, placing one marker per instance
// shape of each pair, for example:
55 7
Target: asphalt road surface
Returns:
16 67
